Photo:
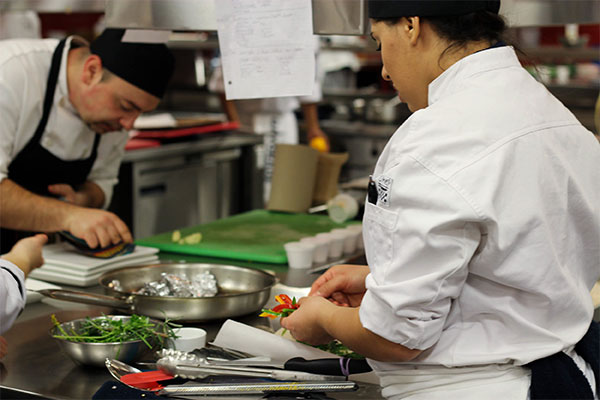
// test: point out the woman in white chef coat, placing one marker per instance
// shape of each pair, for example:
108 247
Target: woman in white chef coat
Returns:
482 226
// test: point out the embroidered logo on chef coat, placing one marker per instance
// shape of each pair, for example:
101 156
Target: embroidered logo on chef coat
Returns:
384 187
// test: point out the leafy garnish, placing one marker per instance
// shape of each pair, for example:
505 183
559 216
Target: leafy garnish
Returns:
338 348
108 330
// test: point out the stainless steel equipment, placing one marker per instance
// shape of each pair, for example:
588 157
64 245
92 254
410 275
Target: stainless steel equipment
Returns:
257 388
241 291
118 370
329 16
550 12
176 367
188 183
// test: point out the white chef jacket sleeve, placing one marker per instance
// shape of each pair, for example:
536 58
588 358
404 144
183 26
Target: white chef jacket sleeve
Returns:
317 94
105 170
215 82
12 82
12 294
418 244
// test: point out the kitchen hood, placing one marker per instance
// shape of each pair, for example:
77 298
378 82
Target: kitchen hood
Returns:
333 17
330 17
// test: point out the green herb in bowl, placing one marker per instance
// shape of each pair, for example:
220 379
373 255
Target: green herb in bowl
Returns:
126 338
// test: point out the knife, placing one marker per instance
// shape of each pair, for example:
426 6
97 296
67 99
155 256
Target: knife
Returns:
325 366
329 366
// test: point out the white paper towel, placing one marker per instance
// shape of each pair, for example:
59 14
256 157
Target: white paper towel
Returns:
237 336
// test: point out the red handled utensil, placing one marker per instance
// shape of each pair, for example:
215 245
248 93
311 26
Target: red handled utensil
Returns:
135 378
147 379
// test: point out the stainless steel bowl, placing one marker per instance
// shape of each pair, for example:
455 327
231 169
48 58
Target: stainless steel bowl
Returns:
94 354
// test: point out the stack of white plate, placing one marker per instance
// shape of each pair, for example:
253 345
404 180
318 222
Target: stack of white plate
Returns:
64 264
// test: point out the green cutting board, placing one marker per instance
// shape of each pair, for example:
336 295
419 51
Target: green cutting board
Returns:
257 235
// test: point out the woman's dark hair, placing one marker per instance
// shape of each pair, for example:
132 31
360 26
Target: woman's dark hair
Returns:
462 29
476 26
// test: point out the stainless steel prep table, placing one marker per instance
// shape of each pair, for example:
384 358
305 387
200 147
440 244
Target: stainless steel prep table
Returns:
36 368
188 181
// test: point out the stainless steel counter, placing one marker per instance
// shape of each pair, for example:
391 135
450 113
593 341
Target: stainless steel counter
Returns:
186 183
35 367
194 144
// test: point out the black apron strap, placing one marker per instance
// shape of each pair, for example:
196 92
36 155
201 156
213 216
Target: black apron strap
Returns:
50 89
9 237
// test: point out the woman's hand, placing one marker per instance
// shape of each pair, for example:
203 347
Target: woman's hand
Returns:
307 323
27 253
342 284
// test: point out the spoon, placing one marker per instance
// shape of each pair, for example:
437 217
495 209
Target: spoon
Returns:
118 368
134 378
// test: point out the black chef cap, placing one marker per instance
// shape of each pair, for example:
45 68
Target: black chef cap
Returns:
148 66
381 9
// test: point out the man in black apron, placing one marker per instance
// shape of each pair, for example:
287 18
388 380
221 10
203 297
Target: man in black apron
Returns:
109 84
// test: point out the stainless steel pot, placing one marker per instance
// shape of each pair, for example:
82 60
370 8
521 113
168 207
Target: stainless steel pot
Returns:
241 291
382 111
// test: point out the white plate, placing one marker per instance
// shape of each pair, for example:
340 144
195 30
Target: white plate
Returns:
65 255
64 275
34 284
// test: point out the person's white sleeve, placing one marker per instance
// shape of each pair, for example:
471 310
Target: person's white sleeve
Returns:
20 24
418 249
105 171
216 82
12 81
315 97
317 93
12 294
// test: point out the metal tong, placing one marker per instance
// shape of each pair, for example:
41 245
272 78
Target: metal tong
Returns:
190 369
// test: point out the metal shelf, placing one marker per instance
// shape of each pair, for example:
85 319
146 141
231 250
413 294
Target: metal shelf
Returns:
54 6
562 53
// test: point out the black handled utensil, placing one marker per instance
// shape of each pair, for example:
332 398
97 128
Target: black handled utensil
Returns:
328 366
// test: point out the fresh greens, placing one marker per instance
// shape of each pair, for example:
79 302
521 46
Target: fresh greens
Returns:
108 330
338 348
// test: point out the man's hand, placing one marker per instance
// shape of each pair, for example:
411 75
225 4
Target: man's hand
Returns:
98 227
27 253
342 284
307 323
67 193
88 194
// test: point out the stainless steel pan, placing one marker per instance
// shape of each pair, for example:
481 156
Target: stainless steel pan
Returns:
241 291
